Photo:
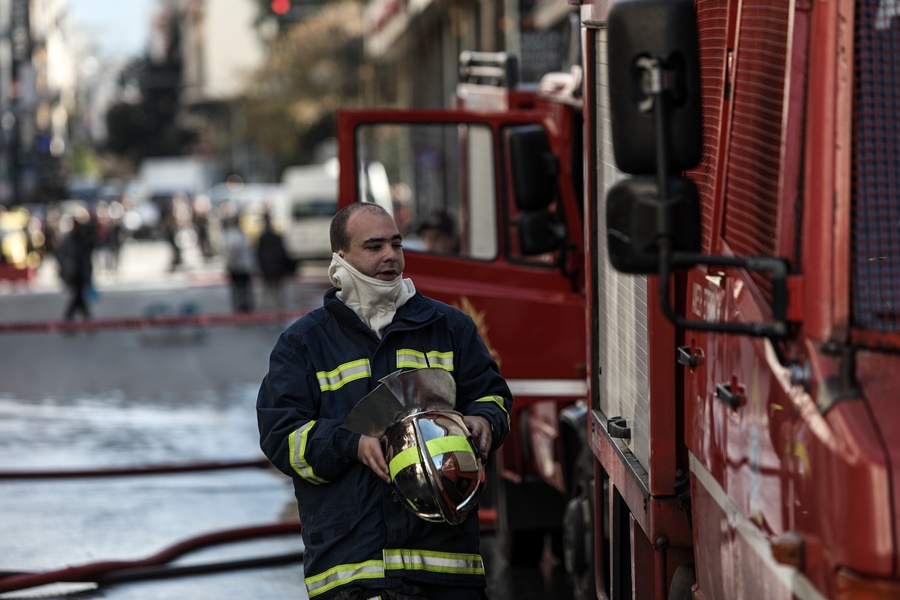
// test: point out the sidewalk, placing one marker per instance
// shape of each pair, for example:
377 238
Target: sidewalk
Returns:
146 265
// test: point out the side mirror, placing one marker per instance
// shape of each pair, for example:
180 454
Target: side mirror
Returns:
539 232
534 167
653 224
634 214
653 59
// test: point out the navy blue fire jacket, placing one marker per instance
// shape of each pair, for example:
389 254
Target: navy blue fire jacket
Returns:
354 531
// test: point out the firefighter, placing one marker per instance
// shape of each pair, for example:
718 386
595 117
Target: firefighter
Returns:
359 540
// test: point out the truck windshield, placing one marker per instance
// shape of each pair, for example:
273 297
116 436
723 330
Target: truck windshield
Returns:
437 179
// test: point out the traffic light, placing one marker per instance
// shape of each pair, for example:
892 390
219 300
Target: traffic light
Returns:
280 7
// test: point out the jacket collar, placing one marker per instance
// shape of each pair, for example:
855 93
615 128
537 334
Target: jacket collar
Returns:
416 312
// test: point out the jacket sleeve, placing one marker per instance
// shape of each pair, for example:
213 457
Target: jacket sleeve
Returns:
292 435
480 389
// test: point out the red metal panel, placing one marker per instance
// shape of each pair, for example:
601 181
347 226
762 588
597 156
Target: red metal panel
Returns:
664 397
824 246
712 541
877 374
656 516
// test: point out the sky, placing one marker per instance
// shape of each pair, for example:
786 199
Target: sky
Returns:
119 27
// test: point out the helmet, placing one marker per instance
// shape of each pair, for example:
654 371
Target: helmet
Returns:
436 468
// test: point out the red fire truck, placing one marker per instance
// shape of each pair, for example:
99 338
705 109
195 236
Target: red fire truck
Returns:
740 221
741 286
501 175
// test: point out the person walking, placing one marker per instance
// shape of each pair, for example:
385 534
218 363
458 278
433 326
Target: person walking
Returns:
274 265
240 265
75 258
360 541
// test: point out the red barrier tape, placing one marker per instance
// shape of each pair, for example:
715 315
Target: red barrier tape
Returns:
254 318
93 571
261 463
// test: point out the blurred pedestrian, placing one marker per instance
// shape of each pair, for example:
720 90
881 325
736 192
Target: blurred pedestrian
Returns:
200 214
274 265
75 254
240 264
107 239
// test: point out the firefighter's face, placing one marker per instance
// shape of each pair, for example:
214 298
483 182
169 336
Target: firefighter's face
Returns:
376 248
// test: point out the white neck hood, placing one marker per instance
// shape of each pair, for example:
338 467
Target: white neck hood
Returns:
374 300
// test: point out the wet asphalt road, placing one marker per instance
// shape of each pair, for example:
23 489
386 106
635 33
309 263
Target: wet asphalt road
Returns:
124 398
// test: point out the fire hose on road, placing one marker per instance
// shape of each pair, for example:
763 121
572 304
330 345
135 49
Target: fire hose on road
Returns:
260 463
150 322
117 571
157 565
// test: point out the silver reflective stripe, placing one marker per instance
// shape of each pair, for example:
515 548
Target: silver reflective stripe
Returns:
345 373
434 562
548 387
342 575
414 359
499 402
297 445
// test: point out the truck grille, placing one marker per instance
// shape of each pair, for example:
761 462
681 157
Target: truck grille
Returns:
754 154
876 169
712 23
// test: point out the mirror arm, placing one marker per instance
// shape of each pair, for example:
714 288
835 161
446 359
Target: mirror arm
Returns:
776 267
654 86
656 81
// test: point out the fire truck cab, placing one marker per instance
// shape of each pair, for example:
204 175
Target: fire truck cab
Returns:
500 179
744 346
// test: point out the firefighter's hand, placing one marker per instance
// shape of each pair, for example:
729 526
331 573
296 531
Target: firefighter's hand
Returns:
480 429
370 454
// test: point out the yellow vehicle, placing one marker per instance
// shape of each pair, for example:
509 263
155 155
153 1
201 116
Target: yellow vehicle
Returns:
19 245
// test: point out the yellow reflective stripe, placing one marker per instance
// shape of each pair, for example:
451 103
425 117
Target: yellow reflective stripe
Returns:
342 575
436 447
408 457
345 373
498 400
297 448
449 443
434 562
414 359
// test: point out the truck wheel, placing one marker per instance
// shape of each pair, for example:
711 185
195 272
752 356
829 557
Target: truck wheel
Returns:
683 581
578 546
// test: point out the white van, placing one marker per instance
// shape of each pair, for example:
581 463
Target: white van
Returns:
310 193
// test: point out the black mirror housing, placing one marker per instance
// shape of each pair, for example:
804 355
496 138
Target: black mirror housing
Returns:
534 167
664 31
636 217
539 232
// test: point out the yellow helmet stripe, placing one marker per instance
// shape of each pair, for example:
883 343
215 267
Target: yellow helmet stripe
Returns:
435 447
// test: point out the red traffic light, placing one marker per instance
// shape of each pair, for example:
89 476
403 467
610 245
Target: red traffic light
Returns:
281 7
